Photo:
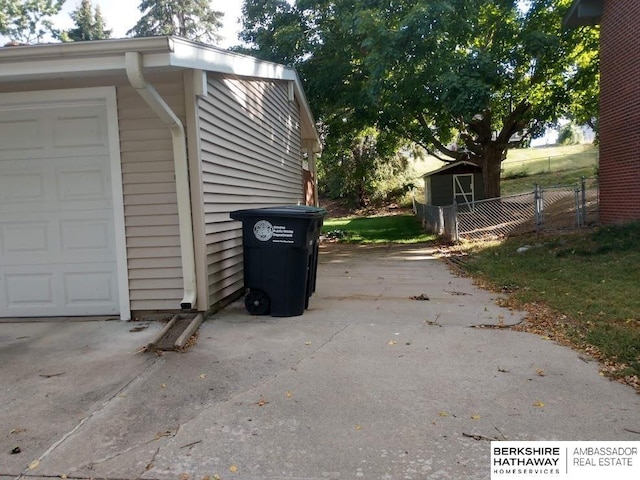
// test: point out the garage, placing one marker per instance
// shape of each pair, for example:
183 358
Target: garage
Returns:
58 254
120 161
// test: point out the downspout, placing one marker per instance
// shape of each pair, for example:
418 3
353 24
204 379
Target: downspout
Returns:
133 63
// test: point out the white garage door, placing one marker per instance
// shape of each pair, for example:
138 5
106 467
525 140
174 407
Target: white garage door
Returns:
57 241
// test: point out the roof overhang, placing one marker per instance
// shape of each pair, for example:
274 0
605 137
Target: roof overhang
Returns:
107 57
584 13
451 165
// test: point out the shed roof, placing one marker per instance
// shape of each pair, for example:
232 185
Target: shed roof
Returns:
103 57
449 166
584 12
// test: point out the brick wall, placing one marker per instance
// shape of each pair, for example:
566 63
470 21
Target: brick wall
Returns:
620 112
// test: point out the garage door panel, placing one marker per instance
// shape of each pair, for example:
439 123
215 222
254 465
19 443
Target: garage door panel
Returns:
95 288
69 239
18 187
24 290
22 134
83 184
74 130
79 290
57 230
24 239
82 238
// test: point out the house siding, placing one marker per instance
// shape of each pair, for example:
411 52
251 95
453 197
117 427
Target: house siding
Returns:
150 200
619 170
251 157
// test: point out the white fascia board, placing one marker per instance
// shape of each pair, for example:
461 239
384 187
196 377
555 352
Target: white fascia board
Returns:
221 61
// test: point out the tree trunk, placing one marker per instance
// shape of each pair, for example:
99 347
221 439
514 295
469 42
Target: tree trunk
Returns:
492 157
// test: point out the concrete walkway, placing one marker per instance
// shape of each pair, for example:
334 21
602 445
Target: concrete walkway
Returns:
368 383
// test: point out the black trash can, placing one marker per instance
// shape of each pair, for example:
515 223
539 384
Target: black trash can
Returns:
280 257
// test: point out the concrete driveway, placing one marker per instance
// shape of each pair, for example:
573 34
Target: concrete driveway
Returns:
369 383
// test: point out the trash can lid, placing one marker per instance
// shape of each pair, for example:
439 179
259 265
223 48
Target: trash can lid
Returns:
294 211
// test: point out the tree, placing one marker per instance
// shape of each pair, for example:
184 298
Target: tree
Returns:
90 24
192 19
465 79
570 134
478 76
274 31
28 21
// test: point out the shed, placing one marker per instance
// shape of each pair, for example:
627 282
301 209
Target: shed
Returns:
460 182
120 161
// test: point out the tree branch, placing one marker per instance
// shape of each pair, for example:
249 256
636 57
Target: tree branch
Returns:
435 142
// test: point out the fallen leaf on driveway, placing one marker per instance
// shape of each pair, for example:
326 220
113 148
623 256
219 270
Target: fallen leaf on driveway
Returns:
476 417
539 403
443 414
33 465
159 435
289 394
203 375
262 402
233 469
421 297
392 342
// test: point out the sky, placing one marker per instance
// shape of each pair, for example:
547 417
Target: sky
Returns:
122 15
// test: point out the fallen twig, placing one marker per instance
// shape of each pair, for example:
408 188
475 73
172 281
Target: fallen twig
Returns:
479 437
189 445
52 375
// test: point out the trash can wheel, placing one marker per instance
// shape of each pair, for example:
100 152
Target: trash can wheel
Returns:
257 302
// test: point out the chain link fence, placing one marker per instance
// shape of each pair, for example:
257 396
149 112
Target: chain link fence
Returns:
553 208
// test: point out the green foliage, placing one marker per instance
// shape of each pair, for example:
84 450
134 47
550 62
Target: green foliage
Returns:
28 21
363 167
591 278
191 19
387 229
570 134
90 24
481 75
274 30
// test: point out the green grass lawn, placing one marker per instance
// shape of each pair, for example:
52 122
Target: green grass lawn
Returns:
591 281
558 165
386 229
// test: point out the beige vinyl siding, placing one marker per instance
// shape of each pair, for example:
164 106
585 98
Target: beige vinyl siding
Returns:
251 157
150 202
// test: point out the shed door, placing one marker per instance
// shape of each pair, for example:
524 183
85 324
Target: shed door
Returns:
463 189
57 241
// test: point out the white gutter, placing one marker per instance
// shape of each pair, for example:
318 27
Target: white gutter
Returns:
133 63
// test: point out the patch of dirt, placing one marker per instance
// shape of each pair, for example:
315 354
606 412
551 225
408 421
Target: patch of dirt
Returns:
340 209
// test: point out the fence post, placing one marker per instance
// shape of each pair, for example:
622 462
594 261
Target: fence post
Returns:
583 185
455 232
578 207
538 207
